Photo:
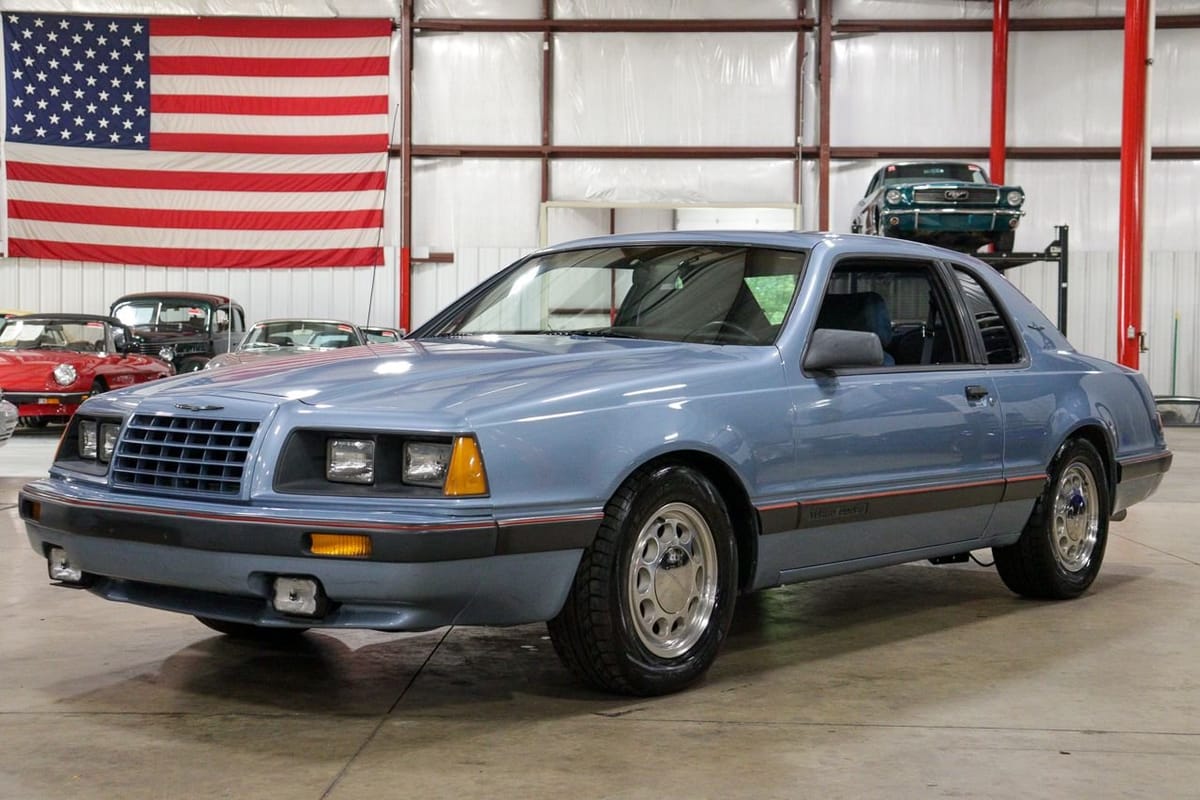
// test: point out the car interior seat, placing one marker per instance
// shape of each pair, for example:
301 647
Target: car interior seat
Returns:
859 311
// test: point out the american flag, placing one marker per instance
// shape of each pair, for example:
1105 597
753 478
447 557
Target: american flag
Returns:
196 142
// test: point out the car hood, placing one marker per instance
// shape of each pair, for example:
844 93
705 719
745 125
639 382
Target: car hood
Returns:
257 356
475 379
25 369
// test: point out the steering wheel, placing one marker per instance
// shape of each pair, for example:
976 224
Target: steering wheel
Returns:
717 327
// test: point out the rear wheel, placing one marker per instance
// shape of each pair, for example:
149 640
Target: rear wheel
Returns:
1005 241
248 632
1061 549
654 594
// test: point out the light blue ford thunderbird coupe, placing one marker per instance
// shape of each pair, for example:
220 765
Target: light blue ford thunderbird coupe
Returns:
617 436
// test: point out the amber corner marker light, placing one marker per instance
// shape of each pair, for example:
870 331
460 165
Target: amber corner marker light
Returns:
465 476
340 545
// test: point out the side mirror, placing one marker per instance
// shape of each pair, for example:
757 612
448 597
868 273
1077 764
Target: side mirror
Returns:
831 348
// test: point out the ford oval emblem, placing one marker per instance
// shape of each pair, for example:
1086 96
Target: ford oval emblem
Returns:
197 407
957 194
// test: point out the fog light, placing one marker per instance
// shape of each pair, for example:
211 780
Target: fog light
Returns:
342 545
893 220
298 596
61 569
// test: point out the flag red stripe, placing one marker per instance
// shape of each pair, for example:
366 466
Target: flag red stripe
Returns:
197 181
212 220
196 257
267 106
270 28
269 67
235 143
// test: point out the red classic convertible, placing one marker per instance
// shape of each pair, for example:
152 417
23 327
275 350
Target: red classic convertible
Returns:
50 363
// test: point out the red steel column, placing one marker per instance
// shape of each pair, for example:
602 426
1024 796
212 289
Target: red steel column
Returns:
1133 188
999 89
406 61
825 56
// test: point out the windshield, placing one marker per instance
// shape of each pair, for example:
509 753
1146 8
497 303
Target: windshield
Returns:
44 334
181 314
698 293
300 334
946 171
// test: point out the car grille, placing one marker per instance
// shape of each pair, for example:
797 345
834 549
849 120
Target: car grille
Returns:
954 195
183 454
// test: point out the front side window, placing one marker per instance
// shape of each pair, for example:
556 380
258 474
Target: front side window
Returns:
902 304
711 294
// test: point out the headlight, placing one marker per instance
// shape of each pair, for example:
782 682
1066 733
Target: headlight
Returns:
87 438
350 461
108 439
1015 198
65 375
426 463
167 353
893 196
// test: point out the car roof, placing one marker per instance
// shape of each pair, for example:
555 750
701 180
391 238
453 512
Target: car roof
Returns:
782 240
213 299
256 323
67 318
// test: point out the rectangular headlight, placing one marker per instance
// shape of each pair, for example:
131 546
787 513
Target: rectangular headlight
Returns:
350 461
108 439
426 463
87 438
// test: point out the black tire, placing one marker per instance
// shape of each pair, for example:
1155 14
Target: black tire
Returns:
98 386
662 519
247 632
1005 241
1062 547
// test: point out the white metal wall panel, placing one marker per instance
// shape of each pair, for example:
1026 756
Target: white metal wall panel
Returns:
74 287
918 89
1064 88
670 89
475 202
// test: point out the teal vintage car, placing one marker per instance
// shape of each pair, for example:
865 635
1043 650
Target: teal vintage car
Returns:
946 203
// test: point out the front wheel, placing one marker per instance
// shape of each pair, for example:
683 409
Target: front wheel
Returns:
1061 549
653 596
191 365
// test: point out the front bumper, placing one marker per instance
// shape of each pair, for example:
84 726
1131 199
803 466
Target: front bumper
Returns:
956 220
221 562
46 404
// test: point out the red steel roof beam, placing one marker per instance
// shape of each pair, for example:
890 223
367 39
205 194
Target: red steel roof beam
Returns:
999 89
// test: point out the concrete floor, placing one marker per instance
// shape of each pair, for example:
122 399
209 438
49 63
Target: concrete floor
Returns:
910 682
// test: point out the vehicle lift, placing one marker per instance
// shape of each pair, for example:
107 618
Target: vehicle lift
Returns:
1057 251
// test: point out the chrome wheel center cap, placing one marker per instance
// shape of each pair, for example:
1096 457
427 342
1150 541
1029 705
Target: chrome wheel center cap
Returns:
672 586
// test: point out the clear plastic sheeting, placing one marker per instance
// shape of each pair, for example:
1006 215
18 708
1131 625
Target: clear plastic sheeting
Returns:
1064 89
911 89
675 9
477 88
477 9
683 181
475 202
1174 87
717 89
377 9
974 9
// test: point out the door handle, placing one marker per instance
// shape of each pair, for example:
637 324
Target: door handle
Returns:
976 392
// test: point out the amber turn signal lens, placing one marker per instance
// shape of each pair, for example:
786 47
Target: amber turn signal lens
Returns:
341 545
466 475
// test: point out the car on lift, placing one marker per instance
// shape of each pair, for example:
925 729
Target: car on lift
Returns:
184 328
945 203
285 337
618 436
50 363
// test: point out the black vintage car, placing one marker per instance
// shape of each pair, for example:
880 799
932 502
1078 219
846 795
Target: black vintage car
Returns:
184 328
